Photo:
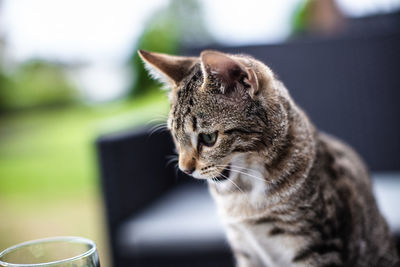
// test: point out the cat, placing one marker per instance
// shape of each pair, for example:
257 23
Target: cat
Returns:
288 194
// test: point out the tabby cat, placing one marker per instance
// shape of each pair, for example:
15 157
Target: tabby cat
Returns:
288 194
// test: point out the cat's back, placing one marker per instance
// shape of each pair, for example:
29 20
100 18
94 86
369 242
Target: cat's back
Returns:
341 161
344 175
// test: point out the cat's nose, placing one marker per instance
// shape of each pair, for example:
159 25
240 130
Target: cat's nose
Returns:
189 171
187 163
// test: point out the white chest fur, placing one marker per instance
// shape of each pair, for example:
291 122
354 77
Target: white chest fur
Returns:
263 249
244 193
237 206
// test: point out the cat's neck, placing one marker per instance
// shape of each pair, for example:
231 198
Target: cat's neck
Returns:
289 161
264 179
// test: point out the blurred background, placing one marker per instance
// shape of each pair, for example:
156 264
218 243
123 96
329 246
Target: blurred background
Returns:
69 73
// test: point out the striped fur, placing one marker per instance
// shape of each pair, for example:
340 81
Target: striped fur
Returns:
291 195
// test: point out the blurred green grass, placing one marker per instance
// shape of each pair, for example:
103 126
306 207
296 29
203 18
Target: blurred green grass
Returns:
52 151
49 177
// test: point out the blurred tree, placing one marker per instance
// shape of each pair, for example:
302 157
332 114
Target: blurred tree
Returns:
179 23
36 83
322 17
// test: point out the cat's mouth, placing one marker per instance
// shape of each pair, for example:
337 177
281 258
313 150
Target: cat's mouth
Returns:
224 174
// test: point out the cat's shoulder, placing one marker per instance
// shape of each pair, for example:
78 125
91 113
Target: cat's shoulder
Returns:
342 158
338 148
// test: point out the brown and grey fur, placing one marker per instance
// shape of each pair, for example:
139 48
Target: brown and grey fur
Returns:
294 196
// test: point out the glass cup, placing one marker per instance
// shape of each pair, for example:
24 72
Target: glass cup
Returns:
55 252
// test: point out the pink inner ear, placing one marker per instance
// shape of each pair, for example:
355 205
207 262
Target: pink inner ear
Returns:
252 81
223 66
228 71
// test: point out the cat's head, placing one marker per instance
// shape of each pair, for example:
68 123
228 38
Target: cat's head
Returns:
219 108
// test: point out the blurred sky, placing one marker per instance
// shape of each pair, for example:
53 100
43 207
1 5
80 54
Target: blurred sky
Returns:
100 35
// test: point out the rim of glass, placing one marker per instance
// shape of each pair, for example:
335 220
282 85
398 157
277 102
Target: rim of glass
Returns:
76 239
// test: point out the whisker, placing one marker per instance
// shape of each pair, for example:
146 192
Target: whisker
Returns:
171 159
232 183
157 120
242 172
237 167
176 169
242 168
159 125
158 128
249 175
246 196
219 182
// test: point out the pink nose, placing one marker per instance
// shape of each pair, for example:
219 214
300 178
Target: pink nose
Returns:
190 171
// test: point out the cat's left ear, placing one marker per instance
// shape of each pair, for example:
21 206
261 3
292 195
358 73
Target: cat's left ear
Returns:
168 69
228 71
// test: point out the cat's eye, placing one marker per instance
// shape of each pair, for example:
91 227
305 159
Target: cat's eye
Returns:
208 139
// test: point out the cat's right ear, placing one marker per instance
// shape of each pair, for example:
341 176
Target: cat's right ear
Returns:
168 69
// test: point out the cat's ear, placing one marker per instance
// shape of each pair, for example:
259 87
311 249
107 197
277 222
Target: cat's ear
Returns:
168 69
228 71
